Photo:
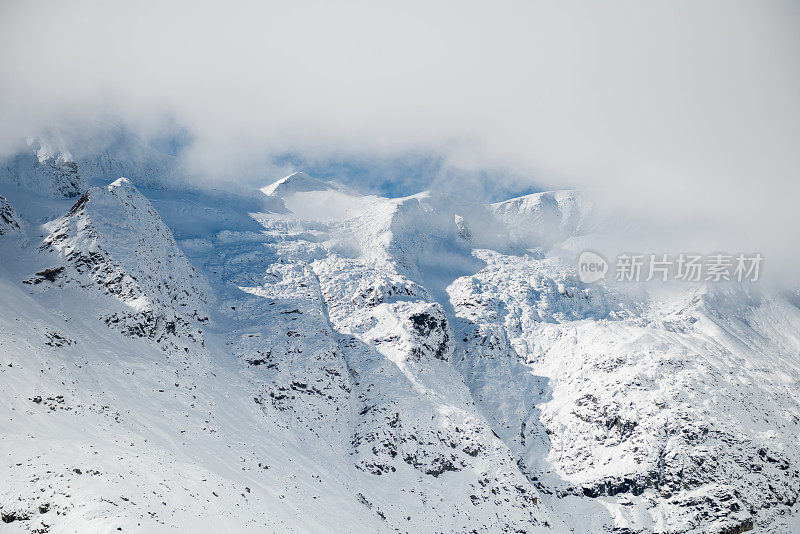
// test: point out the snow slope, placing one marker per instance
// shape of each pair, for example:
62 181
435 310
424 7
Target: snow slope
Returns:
327 361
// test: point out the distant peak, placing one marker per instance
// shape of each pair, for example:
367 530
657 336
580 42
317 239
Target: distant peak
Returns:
556 195
294 183
121 182
298 182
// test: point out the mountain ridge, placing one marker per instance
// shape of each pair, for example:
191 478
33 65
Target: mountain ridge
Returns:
418 364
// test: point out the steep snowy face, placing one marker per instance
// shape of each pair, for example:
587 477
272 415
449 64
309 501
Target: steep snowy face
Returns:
425 236
544 219
581 383
675 416
44 170
114 239
413 430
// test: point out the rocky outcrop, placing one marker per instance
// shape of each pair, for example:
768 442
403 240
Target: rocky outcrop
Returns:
10 221
113 239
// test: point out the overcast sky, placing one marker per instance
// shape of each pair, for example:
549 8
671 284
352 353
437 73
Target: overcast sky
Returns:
686 113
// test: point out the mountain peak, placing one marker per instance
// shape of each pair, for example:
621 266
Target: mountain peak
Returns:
121 182
114 236
545 218
298 182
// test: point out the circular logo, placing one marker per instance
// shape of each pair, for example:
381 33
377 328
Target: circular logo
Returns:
591 267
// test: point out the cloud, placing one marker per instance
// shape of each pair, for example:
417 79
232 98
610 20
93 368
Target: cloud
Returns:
684 114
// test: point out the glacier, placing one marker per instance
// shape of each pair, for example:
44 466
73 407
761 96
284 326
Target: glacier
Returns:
305 358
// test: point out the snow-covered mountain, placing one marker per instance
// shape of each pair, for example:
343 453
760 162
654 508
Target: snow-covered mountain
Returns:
304 358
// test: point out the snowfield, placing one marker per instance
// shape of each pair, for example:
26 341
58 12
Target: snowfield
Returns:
303 358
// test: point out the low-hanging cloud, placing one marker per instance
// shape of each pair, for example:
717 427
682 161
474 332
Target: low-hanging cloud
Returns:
683 114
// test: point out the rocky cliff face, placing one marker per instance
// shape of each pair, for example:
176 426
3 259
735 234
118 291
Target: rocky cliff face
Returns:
10 221
353 363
